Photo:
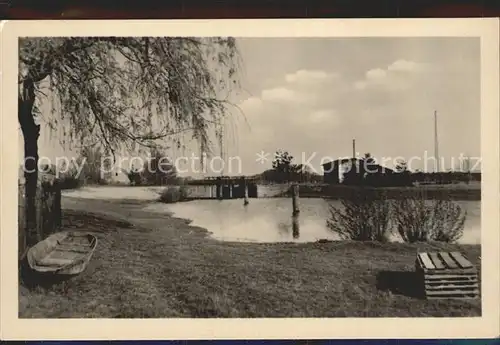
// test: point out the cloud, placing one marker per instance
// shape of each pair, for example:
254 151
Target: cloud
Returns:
290 104
301 86
309 77
376 74
324 116
279 94
284 95
397 76
405 66
251 104
295 107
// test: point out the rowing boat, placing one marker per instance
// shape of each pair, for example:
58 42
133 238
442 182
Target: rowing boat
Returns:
64 253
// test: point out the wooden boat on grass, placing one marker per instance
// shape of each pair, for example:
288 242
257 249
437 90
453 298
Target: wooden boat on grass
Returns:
64 253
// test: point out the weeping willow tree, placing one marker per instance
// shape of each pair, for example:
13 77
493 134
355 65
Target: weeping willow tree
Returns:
111 90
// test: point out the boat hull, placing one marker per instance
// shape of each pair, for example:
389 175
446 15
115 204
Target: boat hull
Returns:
66 253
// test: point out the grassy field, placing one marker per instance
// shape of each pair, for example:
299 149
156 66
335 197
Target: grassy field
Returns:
159 266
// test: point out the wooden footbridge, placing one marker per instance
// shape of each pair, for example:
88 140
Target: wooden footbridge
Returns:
228 187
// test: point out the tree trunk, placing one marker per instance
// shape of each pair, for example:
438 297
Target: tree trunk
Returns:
31 132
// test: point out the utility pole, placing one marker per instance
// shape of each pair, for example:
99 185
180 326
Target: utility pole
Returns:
436 144
467 162
353 148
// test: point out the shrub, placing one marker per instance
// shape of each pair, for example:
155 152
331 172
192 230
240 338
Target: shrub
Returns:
419 220
134 177
364 216
71 180
174 194
184 192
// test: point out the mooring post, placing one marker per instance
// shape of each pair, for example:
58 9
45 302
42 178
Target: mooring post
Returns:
219 188
246 202
295 199
245 191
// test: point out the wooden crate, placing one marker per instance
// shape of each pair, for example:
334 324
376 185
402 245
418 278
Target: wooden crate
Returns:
447 275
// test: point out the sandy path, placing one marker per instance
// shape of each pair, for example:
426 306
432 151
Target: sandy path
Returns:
115 192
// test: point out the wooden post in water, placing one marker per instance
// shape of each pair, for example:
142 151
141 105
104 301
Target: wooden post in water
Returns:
245 191
219 188
295 200
246 202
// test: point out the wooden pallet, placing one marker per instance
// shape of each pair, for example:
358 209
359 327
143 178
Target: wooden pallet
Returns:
447 275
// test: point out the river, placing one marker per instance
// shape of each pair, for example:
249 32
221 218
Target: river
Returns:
269 219
263 220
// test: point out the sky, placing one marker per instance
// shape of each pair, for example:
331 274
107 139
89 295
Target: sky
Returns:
312 97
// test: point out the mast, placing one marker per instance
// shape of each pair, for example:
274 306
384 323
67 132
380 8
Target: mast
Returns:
436 144
467 165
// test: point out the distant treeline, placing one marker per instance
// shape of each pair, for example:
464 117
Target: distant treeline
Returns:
383 180
276 176
429 192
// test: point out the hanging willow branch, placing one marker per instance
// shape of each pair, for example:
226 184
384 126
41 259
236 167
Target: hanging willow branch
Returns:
110 88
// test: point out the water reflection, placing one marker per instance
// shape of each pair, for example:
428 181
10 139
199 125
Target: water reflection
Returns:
295 226
270 220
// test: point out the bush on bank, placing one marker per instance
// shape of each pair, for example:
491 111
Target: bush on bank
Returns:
174 194
369 215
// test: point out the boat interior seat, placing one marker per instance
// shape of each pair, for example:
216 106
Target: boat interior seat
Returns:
48 261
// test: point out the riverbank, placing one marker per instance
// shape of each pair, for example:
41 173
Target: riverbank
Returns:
160 266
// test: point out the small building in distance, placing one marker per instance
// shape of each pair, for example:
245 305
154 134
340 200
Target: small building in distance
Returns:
354 171
333 171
